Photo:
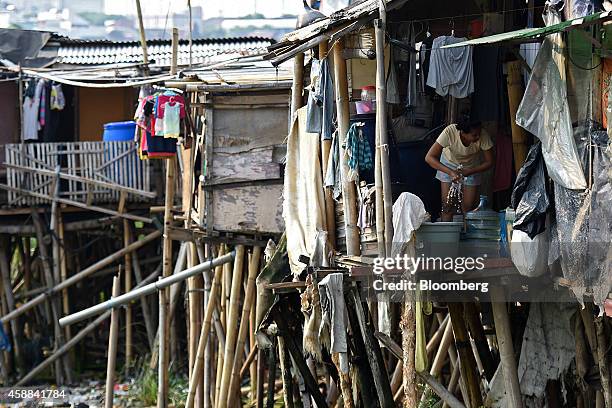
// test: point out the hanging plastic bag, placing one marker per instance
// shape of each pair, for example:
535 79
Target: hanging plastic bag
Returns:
529 197
545 113
529 255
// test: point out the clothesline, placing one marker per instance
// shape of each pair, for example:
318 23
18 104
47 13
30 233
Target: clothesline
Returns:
152 80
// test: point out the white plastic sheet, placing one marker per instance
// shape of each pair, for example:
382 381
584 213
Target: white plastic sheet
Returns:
545 113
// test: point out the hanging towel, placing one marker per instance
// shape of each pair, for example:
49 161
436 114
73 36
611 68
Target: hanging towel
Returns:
358 150
304 202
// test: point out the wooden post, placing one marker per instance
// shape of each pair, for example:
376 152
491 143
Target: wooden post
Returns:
272 363
249 299
162 392
253 344
63 268
466 357
143 38
175 44
515 95
127 240
112 346
232 326
285 366
506 349
474 324
261 370
381 128
348 187
408 327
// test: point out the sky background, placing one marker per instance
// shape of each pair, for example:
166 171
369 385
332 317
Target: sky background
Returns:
211 8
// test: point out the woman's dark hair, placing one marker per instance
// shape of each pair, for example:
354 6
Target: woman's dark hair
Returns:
467 123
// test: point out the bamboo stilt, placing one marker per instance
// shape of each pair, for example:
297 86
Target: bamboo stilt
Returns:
162 387
252 342
77 277
261 369
408 327
348 187
474 324
232 326
204 332
506 349
466 357
112 347
127 240
249 300
5 274
297 88
381 120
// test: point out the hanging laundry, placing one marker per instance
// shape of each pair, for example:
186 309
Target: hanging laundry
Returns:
424 60
58 102
451 70
358 151
42 105
171 120
320 108
503 163
331 294
31 106
333 177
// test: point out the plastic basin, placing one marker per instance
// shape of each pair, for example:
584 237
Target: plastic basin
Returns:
119 131
438 239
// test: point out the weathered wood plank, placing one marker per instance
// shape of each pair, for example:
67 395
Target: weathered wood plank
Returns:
257 164
256 208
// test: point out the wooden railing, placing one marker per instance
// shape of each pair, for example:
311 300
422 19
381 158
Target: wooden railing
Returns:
75 173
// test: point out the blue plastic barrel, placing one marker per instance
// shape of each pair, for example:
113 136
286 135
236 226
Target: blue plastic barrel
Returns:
119 131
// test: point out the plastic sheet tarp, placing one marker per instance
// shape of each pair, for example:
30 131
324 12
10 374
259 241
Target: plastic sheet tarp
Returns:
583 232
529 197
545 113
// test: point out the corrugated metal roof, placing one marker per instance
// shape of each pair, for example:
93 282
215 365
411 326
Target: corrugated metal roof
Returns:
204 51
536 34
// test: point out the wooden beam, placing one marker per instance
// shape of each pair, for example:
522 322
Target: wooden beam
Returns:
112 347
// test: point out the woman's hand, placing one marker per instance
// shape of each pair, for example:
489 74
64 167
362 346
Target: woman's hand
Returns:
456 176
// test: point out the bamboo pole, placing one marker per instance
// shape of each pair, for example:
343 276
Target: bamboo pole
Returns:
232 326
204 332
297 88
62 364
381 128
506 349
127 240
162 381
162 375
253 344
112 346
515 95
408 327
174 55
330 213
249 299
79 276
484 355
466 357
143 38
5 273
348 187
63 271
